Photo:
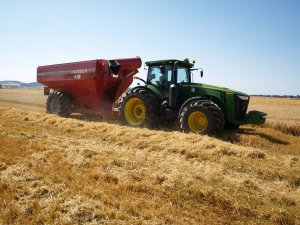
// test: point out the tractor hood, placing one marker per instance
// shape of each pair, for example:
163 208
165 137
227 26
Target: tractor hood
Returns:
211 87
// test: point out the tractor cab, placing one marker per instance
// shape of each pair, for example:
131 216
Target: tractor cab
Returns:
165 77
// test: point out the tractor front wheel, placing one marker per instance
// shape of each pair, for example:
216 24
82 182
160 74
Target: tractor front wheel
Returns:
203 117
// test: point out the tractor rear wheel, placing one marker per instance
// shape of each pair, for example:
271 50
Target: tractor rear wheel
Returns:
139 107
59 103
202 116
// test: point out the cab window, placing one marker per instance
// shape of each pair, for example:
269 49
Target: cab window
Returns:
182 75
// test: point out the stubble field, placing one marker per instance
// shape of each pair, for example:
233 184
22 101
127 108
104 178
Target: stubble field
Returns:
83 170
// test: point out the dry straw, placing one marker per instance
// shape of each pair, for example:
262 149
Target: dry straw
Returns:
69 171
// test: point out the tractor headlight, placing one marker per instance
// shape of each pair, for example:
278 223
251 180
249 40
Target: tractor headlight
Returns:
242 97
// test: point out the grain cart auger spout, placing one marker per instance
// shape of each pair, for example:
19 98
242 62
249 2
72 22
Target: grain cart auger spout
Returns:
88 87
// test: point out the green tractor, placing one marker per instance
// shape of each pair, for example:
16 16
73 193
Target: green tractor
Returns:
169 95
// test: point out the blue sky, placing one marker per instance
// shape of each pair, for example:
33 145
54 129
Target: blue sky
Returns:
251 46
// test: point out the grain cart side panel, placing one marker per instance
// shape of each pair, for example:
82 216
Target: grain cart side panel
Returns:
76 79
92 84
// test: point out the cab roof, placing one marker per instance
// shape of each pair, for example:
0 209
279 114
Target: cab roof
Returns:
169 62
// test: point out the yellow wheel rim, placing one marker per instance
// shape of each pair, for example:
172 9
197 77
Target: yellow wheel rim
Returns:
197 122
135 111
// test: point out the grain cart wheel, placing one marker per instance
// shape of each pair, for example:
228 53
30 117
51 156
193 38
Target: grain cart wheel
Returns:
139 108
202 116
59 103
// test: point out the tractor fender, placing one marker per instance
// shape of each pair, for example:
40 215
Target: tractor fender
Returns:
155 91
135 89
211 98
220 103
188 101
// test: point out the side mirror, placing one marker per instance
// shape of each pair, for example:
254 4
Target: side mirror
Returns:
201 71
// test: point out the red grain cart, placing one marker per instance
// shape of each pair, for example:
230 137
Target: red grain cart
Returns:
89 87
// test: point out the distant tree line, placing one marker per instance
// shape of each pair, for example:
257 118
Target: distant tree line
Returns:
279 96
18 84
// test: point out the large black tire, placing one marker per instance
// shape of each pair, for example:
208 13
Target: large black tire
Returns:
202 116
140 107
231 126
59 103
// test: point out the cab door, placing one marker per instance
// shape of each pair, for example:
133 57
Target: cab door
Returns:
183 78
161 78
